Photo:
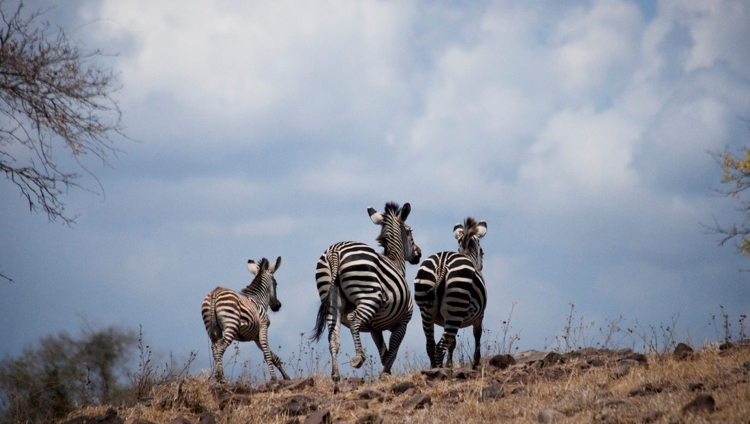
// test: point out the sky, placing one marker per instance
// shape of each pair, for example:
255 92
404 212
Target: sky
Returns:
580 131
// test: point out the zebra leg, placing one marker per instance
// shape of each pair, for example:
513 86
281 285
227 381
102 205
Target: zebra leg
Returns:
477 345
361 314
218 347
262 342
377 337
394 342
334 326
278 363
446 344
428 326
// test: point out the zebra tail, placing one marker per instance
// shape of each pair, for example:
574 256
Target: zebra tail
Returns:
215 333
325 303
320 322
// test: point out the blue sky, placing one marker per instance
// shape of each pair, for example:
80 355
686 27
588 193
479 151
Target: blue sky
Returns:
579 132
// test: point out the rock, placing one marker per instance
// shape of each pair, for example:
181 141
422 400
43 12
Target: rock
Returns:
208 418
234 399
639 357
699 404
652 417
683 351
465 374
371 418
400 388
300 385
645 390
619 371
628 362
297 405
544 358
109 417
322 416
495 391
180 420
142 421
550 415
348 385
435 374
502 361
418 402
372 394
596 362
695 385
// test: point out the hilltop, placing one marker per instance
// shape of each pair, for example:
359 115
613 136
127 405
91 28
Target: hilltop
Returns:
711 384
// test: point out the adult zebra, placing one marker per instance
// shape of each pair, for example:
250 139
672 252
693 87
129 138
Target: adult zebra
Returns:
230 316
450 292
367 291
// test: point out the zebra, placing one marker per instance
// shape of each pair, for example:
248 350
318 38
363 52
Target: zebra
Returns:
230 316
450 292
367 291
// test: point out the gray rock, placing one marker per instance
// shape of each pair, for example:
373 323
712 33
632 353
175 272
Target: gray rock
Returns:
322 416
418 402
109 417
700 404
435 374
502 361
619 371
371 418
695 385
399 388
298 405
297 385
683 351
208 418
495 391
372 394
550 415
180 420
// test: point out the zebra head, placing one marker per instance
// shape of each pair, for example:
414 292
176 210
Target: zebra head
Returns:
468 236
264 284
395 235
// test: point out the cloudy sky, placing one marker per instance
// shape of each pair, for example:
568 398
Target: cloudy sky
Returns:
579 131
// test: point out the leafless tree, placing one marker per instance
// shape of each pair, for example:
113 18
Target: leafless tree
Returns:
54 100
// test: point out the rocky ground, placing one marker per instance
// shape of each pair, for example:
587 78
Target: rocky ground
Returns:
589 385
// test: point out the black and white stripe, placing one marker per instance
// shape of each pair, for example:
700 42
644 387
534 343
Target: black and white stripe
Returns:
243 316
450 292
367 291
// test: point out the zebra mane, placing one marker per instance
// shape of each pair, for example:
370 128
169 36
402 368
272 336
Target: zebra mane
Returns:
471 228
251 288
391 209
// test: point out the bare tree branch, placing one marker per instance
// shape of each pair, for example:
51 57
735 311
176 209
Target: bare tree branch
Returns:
54 98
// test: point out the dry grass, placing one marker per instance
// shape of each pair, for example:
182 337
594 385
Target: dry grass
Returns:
582 392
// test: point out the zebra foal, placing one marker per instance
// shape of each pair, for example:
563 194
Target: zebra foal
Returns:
367 291
450 292
230 316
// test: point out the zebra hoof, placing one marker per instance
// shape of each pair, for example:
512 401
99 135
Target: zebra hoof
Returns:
357 361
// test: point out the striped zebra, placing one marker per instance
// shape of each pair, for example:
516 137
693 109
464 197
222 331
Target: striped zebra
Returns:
367 291
231 316
450 292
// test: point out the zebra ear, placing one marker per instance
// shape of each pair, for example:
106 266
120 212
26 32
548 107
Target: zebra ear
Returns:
275 266
252 267
481 229
376 216
458 231
405 210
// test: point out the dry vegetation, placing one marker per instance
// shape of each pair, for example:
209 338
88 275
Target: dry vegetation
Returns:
586 385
